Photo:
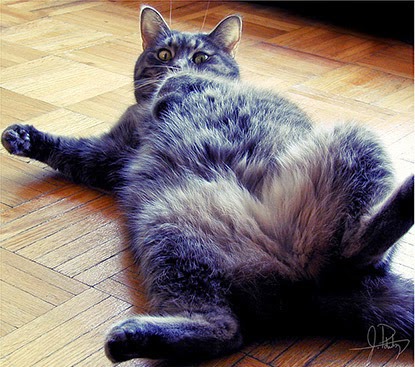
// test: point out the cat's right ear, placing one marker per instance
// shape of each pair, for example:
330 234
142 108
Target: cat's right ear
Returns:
152 25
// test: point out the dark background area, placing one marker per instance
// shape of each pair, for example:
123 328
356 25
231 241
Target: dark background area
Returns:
394 19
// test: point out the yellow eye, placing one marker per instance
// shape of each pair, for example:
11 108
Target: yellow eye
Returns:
200 58
164 55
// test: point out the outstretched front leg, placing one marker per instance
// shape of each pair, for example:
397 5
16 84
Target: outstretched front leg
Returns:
94 161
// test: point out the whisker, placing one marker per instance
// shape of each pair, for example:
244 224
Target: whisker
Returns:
204 19
143 83
171 11
168 67
157 78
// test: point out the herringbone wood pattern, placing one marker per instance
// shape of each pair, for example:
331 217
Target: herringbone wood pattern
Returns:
66 66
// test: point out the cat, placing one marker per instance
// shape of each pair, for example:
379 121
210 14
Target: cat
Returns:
243 216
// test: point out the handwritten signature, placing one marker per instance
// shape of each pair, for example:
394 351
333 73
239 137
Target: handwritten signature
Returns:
382 336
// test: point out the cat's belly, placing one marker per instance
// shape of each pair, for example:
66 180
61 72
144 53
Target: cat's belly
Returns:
220 213
248 211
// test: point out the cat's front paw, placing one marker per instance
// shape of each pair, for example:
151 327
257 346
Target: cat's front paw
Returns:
177 91
16 140
181 83
166 105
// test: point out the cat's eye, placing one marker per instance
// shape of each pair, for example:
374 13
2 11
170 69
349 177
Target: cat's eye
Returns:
200 58
164 55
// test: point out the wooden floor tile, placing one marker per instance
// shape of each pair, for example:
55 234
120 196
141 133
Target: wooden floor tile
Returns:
105 17
360 84
302 352
11 16
42 325
328 44
36 224
80 227
65 122
18 108
12 53
282 66
80 81
269 351
49 277
106 268
395 59
56 339
117 57
18 307
79 349
107 107
51 35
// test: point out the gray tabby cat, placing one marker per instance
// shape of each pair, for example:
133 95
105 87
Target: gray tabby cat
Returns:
242 215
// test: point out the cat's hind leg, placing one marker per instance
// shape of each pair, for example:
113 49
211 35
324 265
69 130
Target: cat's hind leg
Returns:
379 231
186 336
324 188
189 291
376 215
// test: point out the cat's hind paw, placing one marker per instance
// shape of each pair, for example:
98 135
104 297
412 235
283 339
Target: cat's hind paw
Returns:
16 140
124 340
174 337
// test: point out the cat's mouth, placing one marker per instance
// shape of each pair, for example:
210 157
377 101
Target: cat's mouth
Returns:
144 88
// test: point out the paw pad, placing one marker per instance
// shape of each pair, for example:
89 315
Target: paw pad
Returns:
16 140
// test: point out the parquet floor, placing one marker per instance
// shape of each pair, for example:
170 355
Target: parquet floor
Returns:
66 66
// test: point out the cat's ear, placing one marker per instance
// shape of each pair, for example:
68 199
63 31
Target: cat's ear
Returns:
152 25
227 33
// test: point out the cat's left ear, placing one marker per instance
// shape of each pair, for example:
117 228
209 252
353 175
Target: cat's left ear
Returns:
152 25
227 33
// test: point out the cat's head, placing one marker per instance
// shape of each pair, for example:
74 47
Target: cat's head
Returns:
169 50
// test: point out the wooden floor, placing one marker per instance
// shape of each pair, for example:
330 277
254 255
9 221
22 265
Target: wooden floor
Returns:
66 66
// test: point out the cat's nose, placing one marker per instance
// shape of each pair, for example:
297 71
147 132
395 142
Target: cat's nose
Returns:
181 64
